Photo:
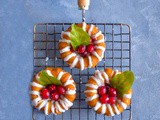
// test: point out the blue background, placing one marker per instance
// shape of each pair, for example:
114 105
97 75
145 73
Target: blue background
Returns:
17 18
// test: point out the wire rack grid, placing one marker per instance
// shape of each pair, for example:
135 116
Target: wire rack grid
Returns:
117 56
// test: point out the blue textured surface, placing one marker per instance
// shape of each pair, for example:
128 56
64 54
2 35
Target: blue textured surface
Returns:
17 18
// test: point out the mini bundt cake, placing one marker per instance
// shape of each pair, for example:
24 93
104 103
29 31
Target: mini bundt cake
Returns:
82 46
52 91
109 92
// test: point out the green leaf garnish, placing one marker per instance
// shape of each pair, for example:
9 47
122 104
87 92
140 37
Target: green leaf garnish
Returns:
46 79
78 37
122 82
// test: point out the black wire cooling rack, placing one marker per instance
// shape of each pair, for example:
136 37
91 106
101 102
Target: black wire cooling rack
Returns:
117 56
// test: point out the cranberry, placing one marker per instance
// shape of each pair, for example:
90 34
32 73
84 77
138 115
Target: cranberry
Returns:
104 99
102 90
55 96
51 88
92 39
81 49
84 54
112 92
107 87
61 90
112 100
71 48
90 48
44 93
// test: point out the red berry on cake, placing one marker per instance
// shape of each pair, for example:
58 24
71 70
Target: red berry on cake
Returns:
55 96
102 90
107 87
51 88
44 93
90 48
104 99
84 54
61 90
112 92
81 49
92 40
112 100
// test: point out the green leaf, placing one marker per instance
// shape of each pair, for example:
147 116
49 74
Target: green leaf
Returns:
78 37
122 82
46 79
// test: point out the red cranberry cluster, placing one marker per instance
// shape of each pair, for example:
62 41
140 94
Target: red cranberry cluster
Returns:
53 92
85 50
107 94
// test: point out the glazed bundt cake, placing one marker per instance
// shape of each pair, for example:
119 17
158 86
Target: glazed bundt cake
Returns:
82 46
52 91
109 92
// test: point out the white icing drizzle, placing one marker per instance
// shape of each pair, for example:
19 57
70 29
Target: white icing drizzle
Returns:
34 92
103 109
35 101
100 47
92 86
97 106
67 102
112 73
69 56
58 107
84 26
92 98
81 60
95 54
102 55
98 81
122 104
93 91
116 109
66 49
97 34
46 108
105 76
65 40
53 108
127 96
37 77
110 109
44 102
90 61
117 72
71 92
49 72
99 41
67 33
68 82
74 62
90 29
60 75
36 85
98 75
63 104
